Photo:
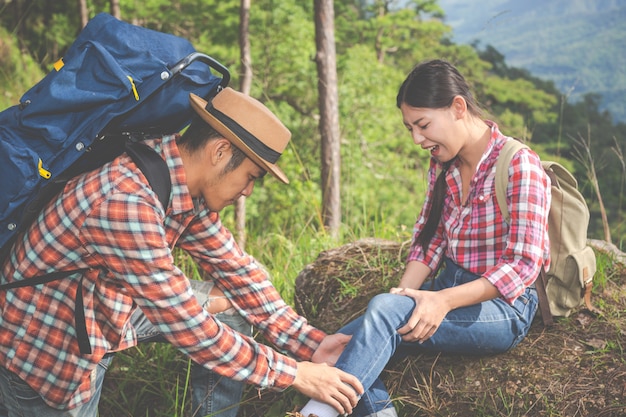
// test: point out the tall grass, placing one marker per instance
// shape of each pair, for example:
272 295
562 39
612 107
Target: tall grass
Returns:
18 70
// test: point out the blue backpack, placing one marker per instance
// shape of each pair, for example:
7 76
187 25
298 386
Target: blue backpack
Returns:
116 83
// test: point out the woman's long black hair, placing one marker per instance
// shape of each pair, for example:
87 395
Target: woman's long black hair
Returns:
434 85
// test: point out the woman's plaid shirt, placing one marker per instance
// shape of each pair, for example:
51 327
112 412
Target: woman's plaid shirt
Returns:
473 233
110 221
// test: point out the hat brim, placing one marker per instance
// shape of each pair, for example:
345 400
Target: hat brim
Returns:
199 106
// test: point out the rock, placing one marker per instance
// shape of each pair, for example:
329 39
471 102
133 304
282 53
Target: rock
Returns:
337 286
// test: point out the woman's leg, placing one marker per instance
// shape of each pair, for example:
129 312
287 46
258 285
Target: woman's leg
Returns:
489 327
374 341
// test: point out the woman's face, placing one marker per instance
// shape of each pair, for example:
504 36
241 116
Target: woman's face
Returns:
435 130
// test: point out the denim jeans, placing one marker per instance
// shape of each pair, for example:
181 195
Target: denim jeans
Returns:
486 328
212 394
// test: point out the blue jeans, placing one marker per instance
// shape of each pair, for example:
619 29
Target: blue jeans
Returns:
486 328
212 394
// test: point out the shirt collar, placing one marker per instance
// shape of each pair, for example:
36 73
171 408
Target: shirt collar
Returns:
496 141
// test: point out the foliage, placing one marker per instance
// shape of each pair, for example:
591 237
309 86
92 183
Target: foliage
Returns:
573 43
378 42
17 70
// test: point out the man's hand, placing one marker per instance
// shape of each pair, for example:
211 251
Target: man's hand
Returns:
329 385
330 349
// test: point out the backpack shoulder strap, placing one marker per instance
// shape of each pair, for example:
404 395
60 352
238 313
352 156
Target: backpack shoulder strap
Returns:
510 148
561 177
154 168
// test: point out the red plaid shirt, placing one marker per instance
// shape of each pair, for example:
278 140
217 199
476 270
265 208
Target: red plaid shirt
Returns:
475 235
110 221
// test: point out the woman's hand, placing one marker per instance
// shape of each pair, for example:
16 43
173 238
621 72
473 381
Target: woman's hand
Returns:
432 306
430 309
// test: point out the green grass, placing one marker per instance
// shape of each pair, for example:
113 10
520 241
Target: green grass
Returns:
149 380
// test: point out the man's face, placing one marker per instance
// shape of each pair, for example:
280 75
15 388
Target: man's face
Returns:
225 188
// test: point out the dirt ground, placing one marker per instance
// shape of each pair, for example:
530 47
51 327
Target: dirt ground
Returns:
575 368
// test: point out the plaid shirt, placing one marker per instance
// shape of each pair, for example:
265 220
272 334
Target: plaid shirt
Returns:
109 220
474 235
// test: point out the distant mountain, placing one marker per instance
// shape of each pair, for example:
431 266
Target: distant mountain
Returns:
578 44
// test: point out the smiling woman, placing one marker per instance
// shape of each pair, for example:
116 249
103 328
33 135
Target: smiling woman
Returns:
482 299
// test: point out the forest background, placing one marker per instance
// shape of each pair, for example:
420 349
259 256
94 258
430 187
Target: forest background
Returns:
377 43
382 172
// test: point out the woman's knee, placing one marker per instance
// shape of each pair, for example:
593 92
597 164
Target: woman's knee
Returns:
391 305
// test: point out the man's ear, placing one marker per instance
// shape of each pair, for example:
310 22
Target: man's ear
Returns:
219 151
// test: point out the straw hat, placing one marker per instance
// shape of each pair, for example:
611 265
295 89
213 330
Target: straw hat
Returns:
248 124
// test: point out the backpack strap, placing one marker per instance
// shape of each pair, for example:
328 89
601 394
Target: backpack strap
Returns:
153 167
510 148
157 173
544 305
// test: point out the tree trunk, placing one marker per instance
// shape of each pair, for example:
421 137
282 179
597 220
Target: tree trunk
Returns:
329 114
115 9
83 12
246 82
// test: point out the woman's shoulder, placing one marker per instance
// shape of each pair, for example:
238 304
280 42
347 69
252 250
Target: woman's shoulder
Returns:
521 163
519 153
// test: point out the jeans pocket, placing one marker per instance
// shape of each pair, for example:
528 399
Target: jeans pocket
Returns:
526 307
21 389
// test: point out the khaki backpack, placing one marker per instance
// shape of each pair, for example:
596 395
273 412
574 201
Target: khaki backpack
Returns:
569 281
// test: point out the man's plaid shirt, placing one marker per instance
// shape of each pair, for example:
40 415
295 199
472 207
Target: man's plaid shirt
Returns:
111 222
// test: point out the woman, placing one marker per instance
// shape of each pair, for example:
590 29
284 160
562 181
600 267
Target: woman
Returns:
483 299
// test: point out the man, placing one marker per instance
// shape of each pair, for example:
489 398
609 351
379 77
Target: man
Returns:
110 224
